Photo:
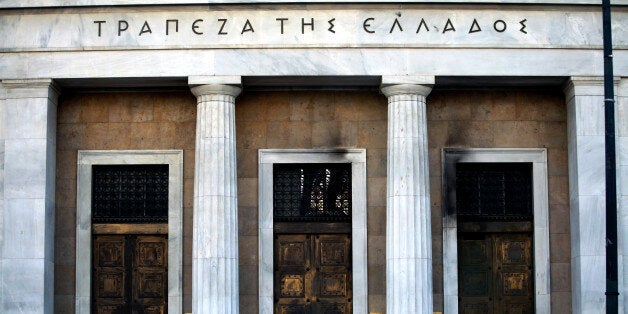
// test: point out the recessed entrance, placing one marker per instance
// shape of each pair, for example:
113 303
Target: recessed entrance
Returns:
518 217
312 242
495 265
130 241
129 210
326 207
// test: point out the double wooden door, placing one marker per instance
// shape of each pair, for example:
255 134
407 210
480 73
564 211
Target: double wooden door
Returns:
130 274
495 273
313 274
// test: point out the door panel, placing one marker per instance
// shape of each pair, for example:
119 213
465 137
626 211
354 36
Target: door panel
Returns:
313 273
495 273
130 274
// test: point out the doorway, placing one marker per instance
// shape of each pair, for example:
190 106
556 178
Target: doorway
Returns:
132 194
312 242
288 214
459 221
495 261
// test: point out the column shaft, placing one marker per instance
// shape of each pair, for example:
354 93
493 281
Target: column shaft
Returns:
27 258
585 120
215 229
408 228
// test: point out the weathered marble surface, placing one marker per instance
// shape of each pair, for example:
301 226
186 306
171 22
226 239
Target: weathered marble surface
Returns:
27 263
47 3
585 122
278 27
312 62
621 116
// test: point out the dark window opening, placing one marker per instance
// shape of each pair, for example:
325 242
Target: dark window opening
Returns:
129 193
494 191
312 192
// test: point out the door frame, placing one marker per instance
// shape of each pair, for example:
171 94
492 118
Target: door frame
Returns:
357 158
540 228
87 158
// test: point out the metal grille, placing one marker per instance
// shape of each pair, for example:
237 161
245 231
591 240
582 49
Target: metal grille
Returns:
129 193
494 191
312 192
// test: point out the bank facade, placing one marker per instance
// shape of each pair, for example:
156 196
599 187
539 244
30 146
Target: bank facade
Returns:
272 157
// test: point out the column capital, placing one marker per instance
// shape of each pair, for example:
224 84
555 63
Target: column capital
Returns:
405 89
216 89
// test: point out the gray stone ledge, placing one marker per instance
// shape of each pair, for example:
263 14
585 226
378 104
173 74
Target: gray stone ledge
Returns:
66 3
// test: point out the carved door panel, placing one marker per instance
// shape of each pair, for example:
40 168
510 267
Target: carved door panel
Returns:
495 273
313 273
130 274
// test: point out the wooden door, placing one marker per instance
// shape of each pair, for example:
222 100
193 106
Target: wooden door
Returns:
130 274
313 274
495 273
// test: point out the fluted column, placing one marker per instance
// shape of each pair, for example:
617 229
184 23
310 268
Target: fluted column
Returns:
408 229
215 244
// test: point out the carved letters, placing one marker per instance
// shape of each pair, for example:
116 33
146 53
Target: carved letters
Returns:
303 25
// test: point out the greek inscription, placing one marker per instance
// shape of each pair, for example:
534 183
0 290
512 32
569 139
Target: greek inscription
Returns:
222 27
421 25
310 24
176 26
281 20
367 25
331 26
499 26
475 27
396 22
99 26
247 27
195 27
449 26
145 28
122 26
523 26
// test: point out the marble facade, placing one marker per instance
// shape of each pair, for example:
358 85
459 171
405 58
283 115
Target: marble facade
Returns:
48 49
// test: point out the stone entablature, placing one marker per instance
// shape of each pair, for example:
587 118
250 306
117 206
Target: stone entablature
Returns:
319 26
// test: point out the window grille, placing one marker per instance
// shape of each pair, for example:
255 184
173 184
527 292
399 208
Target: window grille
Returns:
312 192
494 191
129 193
